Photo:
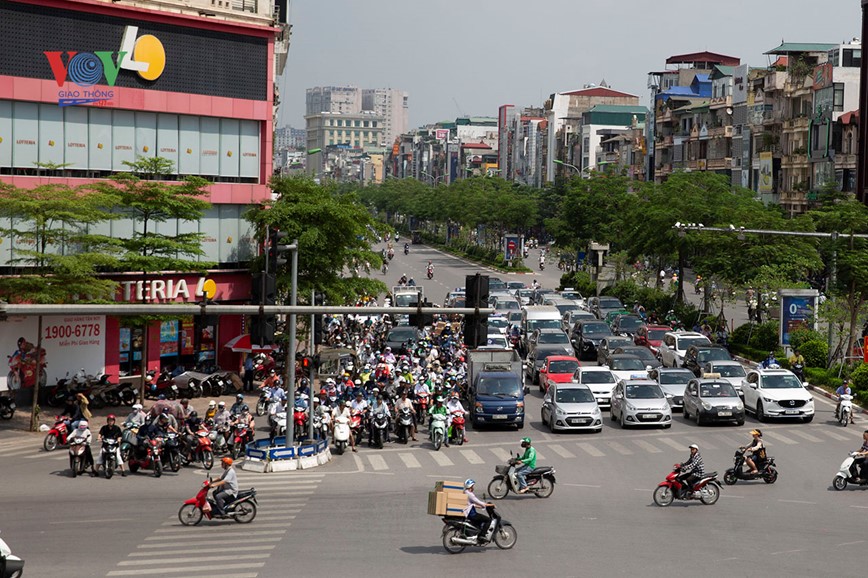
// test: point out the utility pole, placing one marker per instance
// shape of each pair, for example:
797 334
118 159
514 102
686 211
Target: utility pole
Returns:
863 114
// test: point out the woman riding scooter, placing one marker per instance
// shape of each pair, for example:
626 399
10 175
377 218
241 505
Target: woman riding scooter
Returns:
757 450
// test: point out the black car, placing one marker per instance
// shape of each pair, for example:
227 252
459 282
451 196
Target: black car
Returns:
399 337
586 336
698 355
608 346
545 342
643 353
627 325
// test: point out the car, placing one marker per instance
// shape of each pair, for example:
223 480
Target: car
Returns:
673 381
457 301
776 393
608 346
524 296
627 325
562 305
601 306
496 284
497 339
651 336
571 294
557 369
515 285
501 295
398 337
11 566
545 342
731 371
641 352
696 356
600 380
455 293
675 343
627 367
571 406
498 322
638 402
539 295
506 304
612 315
712 400
570 317
586 336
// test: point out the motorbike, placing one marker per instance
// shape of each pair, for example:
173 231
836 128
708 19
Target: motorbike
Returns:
438 430
242 509
241 435
57 435
406 249
845 412
126 393
356 425
278 424
459 532
799 370
129 440
202 451
390 254
78 460
379 429
321 426
765 470
160 384
848 473
430 272
403 423
299 422
421 403
172 452
7 407
217 435
540 481
262 403
707 489
341 434
262 366
109 457
148 455
456 430
542 265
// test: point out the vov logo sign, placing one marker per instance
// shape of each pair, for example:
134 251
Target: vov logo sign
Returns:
143 55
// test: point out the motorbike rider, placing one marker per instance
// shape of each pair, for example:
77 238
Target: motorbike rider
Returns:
211 411
525 464
403 280
110 431
862 459
228 484
843 389
173 423
343 411
190 427
82 412
438 408
405 402
691 470
756 449
406 248
185 410
454 407
238 406
222 417
770 361
473 515
378 405
137 416
82 434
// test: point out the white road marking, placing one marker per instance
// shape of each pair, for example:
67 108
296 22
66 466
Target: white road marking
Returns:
539 456
785 552
780 437
285 483
441 459
217 529
203 551
212 542
620 448
472 457
833 435
161 560
647 447
207 532
852 543
561 451
282 493
377 462
590 449
675 445
797 502
501 454
80 521
151 571
581 485
805 436
409 460
728 441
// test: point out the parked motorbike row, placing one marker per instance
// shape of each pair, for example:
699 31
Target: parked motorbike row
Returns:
99 391
183 385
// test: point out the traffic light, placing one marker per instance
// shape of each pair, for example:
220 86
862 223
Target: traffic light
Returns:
476 296
306 364
318 335
475 330
476 290
423 320
264 289
262 328
276 250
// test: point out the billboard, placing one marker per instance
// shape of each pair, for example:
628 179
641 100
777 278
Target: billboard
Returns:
766 175
739 84
511 246
798 308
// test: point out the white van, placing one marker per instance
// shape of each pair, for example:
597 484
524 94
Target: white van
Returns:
537 317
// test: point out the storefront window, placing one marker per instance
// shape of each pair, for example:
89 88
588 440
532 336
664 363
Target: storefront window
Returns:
130 348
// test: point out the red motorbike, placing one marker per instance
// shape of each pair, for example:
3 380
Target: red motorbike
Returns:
356 424
23 370
202 452
148 455
299 419
422 404
263 364
241 436
707 489
57 435
456 434
160 384
242 509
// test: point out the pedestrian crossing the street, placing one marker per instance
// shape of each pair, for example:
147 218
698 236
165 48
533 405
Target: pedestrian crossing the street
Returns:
206 549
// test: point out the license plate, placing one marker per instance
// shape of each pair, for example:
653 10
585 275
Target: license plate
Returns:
499 416
724 413
649 415
792 412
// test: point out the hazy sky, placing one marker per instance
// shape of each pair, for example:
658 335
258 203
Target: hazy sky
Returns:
467 57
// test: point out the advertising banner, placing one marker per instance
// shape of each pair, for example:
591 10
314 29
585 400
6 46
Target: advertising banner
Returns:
75 131
123 139
99 153
798 308
511 247
249 149
69 343
766 178
168 338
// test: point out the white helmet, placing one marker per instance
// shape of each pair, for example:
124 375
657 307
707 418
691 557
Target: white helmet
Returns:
82 424
137 406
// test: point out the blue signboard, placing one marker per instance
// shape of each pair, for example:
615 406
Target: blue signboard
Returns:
511 247
797 310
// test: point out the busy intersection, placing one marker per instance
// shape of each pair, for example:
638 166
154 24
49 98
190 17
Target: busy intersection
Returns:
364 513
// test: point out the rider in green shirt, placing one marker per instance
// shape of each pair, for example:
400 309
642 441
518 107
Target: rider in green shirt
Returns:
527 463
438 407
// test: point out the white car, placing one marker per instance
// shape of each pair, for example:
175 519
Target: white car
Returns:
571 406
674 346
776 393
626 366
599 380
731 371
497 339
640 402
498 322
673 382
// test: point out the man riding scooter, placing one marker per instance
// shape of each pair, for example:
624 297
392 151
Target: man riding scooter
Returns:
527 463
228 483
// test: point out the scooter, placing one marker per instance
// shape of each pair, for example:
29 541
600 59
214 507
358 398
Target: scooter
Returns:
845 412
430 272
78 457
799 370
438 430
129 440
109 455
217 435
403 425
422 401
542 265
57 435
162 384
172 452
456 430
202 451
240 436
299 422
263 364
341 434
242 509
540 481
262 403
7 407
355 424
707 489
767 472
379 429
848 474
149 455
459 532
406 249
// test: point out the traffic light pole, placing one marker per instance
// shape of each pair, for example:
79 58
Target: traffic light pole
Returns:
290 349
311 351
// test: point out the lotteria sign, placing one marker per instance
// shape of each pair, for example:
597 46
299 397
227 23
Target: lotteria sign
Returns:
143 55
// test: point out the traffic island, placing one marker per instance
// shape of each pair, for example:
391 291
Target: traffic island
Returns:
266 456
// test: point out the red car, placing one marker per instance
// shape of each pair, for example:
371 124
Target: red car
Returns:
651 336
557 369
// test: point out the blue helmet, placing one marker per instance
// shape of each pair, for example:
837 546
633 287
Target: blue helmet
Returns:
469 483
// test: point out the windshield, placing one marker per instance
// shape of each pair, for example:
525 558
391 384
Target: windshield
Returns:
675 377
510 304
543 324
596 329
515 317
626 364
713 354
564 307
525 293
570 295
644 391
597 377
496 339
630 324
498 322
404 299
781 382
458 301
656 334
610 303
515 285
644 354
402 334
729 370
496 285
554 337
717 389
563 366
574 396
507 386
685 342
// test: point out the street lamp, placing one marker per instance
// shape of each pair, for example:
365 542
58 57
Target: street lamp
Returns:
574 167
433 178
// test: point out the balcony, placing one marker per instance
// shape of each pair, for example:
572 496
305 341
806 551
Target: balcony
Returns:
775 81
718 164
843 161
795 160
796 124
720 102
720 131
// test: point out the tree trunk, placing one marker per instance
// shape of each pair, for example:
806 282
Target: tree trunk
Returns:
34 410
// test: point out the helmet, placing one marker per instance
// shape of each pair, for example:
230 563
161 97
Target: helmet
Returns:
185 401
82 424
756 432
166 410
193 414
227 461
163 418
525 440
469 483
221 404
137 406
239 397
272 372
316 400
245 409
375 390
110 416
439 399
693 447
323 392
358 382
212 403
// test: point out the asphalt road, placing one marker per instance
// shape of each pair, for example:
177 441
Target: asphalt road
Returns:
364 514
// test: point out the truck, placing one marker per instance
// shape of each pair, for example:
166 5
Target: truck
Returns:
495 387
406 296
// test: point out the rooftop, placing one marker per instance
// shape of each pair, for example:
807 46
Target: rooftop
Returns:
790 47
619 108
704 57
599 92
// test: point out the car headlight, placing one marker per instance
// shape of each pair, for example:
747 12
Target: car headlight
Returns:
631 407
597 411
811 401
706 406
559 411
739 406
768 400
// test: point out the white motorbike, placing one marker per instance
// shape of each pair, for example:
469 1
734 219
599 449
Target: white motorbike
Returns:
848 474
438 430
341 434
845 411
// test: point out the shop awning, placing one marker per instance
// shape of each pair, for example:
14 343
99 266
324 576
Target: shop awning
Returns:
241 344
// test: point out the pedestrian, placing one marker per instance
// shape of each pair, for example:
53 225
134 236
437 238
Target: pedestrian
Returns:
249 372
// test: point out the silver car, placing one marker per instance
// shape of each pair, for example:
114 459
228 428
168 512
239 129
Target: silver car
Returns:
672 381
640 402
731 371
571 406
599 380
712 400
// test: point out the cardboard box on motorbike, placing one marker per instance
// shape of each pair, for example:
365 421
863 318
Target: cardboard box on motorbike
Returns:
447 499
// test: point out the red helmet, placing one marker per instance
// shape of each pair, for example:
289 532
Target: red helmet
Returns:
323 392
110 416
227 461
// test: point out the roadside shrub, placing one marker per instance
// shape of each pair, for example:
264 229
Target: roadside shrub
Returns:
765 336
815 352
740 334
803 335
580 281
827 378
859 378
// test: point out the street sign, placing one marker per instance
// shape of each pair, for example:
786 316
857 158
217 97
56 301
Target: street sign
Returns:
511 248
798 309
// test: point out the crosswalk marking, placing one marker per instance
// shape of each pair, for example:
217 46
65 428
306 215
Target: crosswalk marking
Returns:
409 460
539 456
213 542
728 441
207 532
647 447
441 459
472 457
160 560
501 454
780 437
151 571
805 435
620 448
834 436
675 445
590 450
377 462
203 551
561 451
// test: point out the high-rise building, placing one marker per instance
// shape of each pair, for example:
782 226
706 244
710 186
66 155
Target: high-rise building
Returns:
392 105
341 99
